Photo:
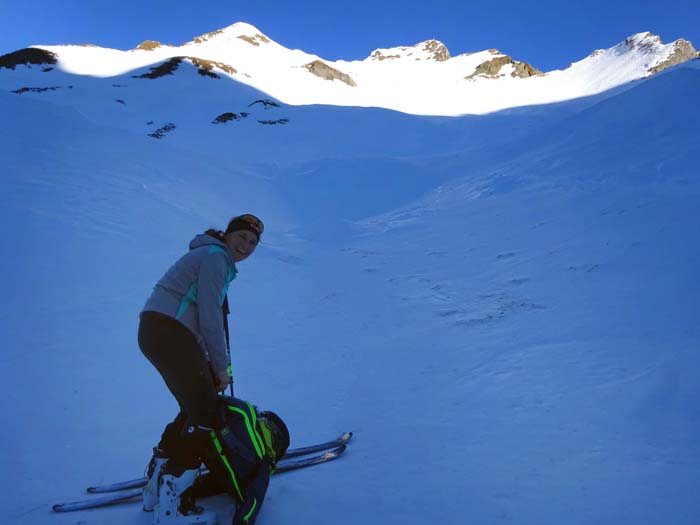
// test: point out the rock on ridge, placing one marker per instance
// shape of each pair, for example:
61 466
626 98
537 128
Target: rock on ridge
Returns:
204 67
492 68
206 36
255 39
650 44
148 45
326 72
428 50
28 57
682 52
645 42
437 49
378 55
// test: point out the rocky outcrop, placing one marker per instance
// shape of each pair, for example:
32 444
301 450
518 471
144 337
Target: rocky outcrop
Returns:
166 68
326 72
229 116
148 45
378 55
37 89
492 68
651 44
162 131
428 50
524 70
645 42
255 40
28 57
266 103
204 68
682 52
438 50
206 36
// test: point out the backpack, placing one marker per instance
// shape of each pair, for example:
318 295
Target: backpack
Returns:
247 442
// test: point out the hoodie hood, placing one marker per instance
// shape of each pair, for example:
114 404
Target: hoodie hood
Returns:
206 240
215 244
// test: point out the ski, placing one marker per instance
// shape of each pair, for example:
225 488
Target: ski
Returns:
291 453
93 503
295 464
303 451
286 465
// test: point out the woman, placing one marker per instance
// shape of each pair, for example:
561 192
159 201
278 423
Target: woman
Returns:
184 334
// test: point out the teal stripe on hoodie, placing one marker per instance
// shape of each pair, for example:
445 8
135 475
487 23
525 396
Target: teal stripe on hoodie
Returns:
193 290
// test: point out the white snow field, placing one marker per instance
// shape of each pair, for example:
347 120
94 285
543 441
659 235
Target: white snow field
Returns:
503 308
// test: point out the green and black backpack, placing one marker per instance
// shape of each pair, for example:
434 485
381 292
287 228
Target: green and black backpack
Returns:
248 441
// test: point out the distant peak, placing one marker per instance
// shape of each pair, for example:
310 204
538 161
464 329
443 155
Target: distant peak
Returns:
649 51
242 30
428 50
645 41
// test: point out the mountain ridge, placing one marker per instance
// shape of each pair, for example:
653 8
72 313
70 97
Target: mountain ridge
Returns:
423 79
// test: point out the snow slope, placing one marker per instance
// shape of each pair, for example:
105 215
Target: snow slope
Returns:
502 307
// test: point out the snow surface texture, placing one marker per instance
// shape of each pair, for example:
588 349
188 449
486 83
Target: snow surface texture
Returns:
502 308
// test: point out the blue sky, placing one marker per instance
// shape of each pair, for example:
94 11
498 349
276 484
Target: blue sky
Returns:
549 34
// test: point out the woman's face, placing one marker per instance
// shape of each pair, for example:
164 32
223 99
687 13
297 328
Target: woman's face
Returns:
241 244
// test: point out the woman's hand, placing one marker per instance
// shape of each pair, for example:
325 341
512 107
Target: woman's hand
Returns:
222 380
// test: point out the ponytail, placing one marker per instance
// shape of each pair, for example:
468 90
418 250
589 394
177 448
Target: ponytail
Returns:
217 234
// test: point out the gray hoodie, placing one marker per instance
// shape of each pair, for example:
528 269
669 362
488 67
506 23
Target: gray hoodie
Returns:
193 290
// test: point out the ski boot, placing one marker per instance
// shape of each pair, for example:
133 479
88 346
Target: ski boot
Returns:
150 491
175 505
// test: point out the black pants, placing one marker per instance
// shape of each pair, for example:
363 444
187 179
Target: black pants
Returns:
175 353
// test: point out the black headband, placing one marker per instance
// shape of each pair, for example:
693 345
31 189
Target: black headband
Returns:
240 224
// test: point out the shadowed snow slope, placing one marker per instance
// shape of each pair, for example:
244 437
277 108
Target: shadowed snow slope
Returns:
503 308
